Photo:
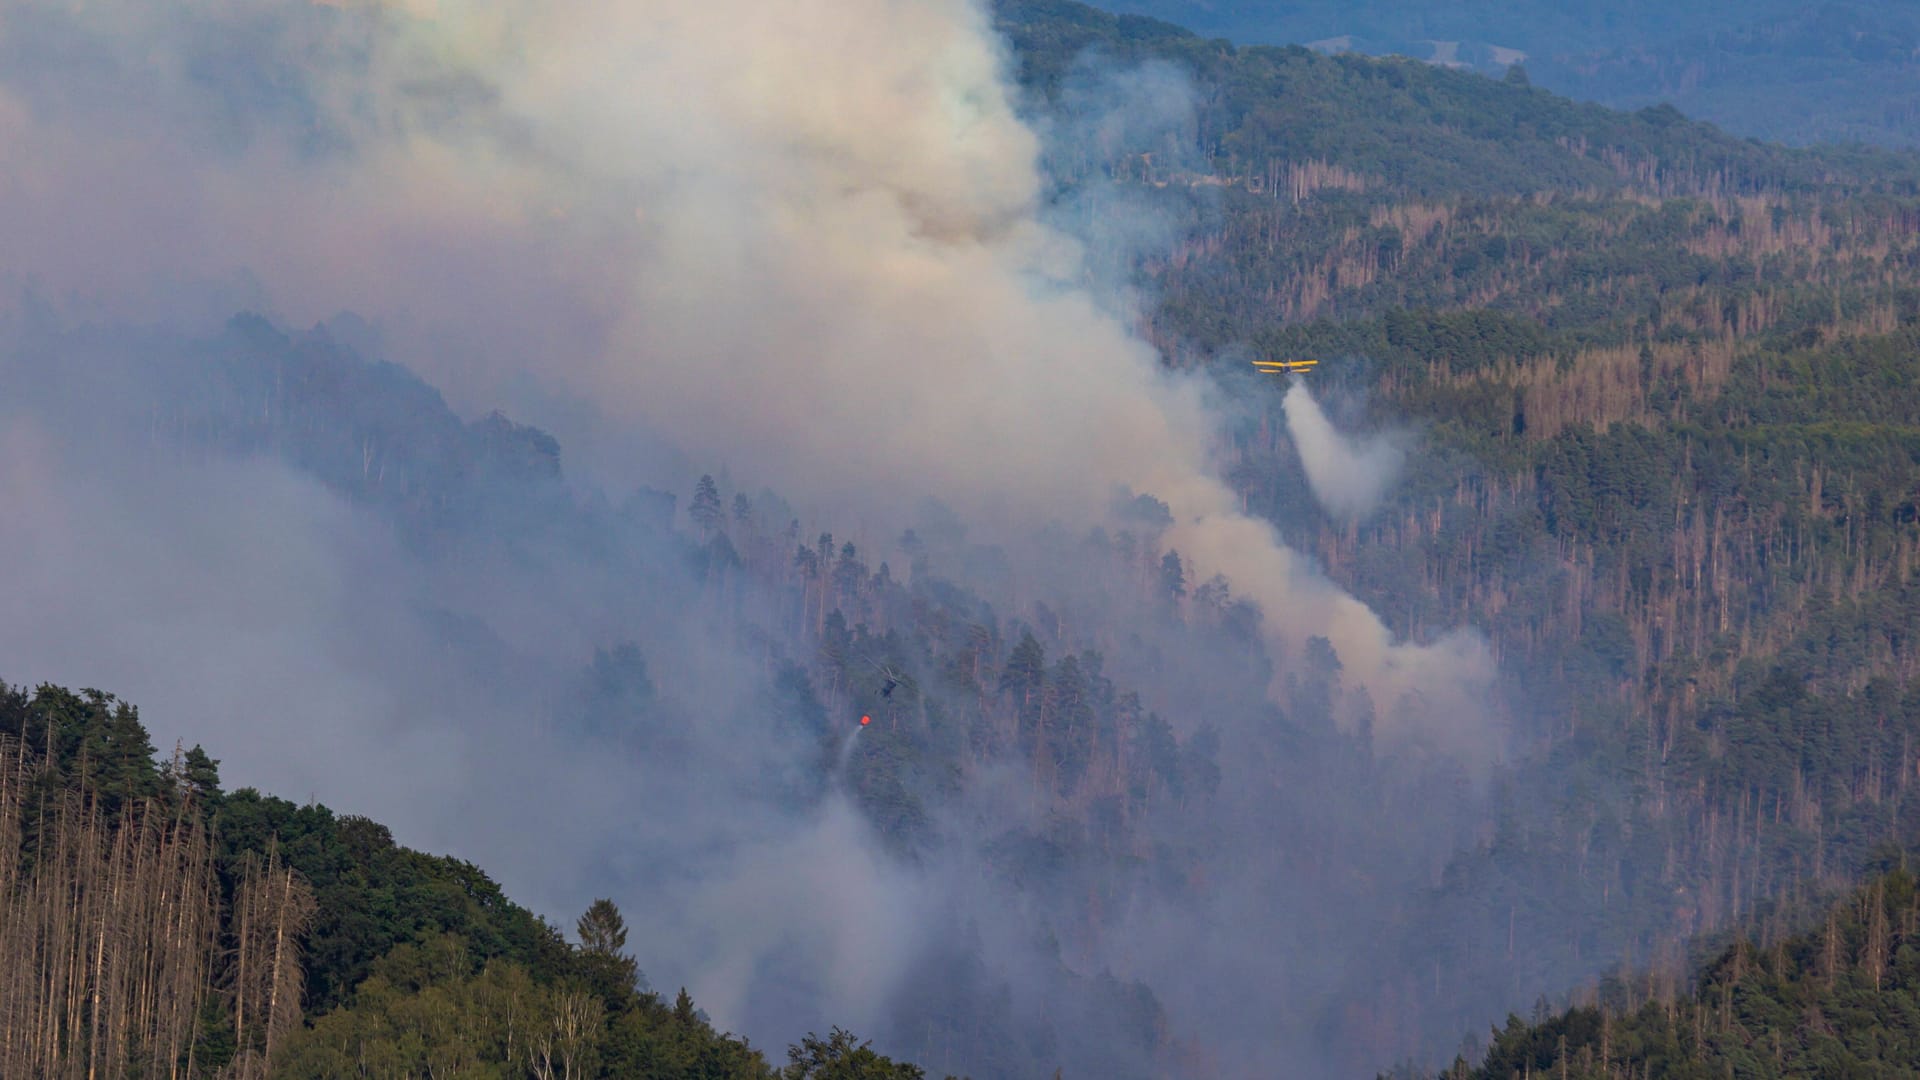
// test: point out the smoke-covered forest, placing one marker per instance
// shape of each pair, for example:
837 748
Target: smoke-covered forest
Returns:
823 526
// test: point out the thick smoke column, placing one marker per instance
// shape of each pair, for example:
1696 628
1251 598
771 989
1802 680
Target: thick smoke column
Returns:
841 279
803 239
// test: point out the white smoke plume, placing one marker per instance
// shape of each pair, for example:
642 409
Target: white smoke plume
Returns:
1348 474
804 240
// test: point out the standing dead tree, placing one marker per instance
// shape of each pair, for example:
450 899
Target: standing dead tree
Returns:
110 931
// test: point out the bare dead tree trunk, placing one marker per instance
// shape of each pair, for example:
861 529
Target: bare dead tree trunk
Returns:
105 941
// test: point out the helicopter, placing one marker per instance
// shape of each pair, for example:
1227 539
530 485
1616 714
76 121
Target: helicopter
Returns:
891 681
892 678
1284 367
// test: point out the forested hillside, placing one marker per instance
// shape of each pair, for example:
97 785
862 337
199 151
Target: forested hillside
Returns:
1666 381
152 924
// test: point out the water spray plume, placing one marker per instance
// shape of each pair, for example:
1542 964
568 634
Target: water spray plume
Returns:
1348 475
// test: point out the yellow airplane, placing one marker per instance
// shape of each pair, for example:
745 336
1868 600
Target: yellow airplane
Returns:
1283 367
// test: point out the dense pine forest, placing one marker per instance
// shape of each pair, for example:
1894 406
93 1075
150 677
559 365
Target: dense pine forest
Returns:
1661 384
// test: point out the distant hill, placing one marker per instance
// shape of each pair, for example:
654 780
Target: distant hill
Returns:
1789 72
1413 127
